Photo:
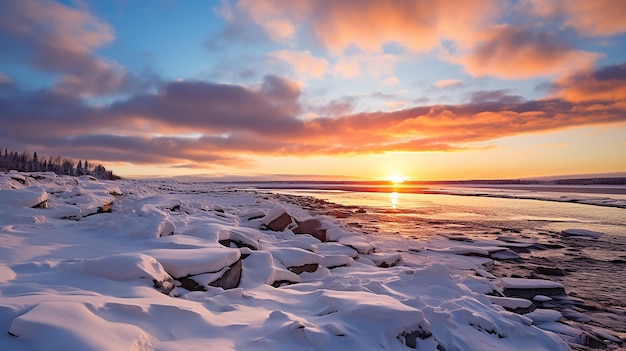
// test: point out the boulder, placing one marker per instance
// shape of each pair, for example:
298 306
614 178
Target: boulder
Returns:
384 260
529 288
227 278
554 271
278 219
181 263
312 226
128 266
297 260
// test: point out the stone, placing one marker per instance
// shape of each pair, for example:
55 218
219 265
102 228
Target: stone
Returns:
554 271
410 338
312 227
280 223
231 277
310 267
384 260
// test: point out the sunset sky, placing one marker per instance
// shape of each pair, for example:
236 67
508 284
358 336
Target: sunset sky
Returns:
309 89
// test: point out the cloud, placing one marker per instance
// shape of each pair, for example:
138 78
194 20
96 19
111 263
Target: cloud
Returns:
59 39
502 96
513 52
391 81
605 84
417 25
304 64
447 83
372 65
590 18
4 79
210 124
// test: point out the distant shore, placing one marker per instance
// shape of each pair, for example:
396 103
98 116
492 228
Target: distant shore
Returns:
435 187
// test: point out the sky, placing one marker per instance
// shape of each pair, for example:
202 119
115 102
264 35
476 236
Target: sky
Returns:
318 89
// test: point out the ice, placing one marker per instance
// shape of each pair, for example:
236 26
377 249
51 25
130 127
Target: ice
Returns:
522 283
543 315
510 302
70 280
581 232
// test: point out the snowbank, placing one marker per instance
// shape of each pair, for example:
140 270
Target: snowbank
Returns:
121 279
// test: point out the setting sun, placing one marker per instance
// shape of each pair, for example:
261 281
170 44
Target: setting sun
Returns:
396 179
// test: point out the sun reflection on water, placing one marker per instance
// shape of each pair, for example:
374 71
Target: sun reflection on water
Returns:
393 198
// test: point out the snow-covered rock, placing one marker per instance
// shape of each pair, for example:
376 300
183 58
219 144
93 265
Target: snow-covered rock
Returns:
581 232
184 262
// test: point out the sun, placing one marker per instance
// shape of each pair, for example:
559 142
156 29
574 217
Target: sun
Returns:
396 179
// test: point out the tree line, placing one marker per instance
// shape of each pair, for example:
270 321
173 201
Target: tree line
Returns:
27 162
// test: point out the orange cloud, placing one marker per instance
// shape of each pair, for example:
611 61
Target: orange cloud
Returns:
605 84
418 25
447 83
202 122
304 64
513 52
589 18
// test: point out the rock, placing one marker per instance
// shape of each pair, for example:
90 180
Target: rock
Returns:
542 298
231 277
574 315
384 260
330 248
310 267
339 214
187 262
335 261
581 232
459 237
29 197
106 208
592 341
504 255
278 219
297 260
529 288
554 271
410 338
358 243
312 227
227 278
127 266
543 316
513 304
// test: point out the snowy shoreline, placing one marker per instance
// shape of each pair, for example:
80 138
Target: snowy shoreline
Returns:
108 264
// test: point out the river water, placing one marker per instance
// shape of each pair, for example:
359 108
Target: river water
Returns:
595 267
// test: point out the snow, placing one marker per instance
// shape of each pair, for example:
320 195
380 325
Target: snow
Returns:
543 315
27 197
184 262
510 302
522 283
75 279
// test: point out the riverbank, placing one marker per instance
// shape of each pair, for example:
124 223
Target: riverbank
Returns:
163 265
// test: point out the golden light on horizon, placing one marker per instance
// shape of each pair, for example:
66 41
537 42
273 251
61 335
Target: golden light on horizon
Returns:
396 179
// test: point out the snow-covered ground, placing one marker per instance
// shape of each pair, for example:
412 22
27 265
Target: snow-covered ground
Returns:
130 265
